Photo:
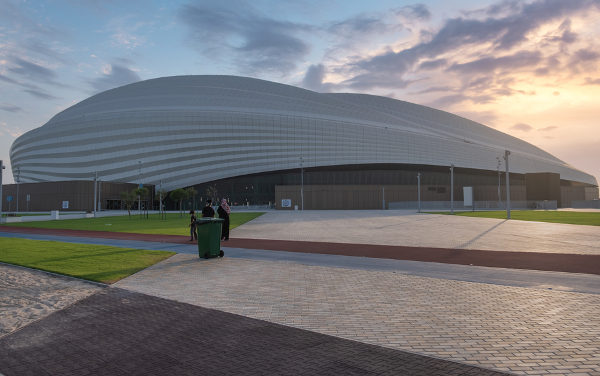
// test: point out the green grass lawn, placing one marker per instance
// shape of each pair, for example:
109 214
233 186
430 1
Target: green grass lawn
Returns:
92 262
173 225
575 218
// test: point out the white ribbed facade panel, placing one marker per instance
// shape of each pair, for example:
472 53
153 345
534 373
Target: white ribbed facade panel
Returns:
188 130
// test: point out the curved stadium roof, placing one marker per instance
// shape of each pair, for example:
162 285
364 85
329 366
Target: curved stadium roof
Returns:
193 129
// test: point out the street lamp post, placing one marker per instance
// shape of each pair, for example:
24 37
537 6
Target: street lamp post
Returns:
498 168
1 199
95 191
160 197
506 154
140 186
18 178
451 189
419 192
301 183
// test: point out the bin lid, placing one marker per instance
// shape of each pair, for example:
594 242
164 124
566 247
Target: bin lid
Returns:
208 219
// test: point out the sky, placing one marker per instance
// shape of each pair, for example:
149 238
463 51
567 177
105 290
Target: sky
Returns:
527 68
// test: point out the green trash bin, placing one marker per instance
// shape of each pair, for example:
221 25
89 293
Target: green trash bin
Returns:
209 237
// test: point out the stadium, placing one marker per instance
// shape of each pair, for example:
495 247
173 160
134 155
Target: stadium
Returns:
263 143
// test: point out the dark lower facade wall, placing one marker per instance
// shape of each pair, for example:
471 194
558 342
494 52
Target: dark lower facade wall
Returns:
64 196
260 189
362 197
336 187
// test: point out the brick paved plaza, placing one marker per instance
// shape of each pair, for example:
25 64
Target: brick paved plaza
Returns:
320 316
521 330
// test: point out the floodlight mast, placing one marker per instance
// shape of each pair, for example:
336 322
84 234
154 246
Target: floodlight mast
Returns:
140 186
419 192
499 195
95 191
18 179
302 183
452 189
506 154
1 173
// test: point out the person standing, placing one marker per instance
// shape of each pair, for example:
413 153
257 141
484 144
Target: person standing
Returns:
223 211
208 211
193 224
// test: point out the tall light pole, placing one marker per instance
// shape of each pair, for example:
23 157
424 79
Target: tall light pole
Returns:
451 189
498 168
419 192
506 154
301 183
140 186
18 178
95 191
1 199
160 197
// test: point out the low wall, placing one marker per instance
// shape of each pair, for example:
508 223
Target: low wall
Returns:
487 205
585 204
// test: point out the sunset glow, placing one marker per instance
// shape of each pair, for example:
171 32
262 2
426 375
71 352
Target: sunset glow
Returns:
526 68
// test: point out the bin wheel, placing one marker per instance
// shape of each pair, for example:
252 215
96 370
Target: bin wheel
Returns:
206 255
221 254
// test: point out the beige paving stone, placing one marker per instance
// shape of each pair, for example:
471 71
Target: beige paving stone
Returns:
397 227
488 325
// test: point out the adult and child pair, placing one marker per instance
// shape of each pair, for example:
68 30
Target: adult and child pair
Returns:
223 212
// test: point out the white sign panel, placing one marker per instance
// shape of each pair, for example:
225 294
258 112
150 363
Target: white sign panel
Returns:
65 204
468 195
286 203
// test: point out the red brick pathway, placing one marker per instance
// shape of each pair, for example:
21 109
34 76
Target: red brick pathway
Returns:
572 263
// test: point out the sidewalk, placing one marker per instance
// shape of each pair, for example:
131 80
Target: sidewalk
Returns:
569 262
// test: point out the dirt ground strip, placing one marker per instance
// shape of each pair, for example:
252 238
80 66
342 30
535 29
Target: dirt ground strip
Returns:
28 295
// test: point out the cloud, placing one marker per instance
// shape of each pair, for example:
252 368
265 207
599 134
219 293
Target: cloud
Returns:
114 75
434 89
10 108
501 31
313 79
433 64
34 90
566 35
376 79
9 131
585 55
588 81
31 70
9 80
548 129
416 11
485 65
259 43
362 24
40 94
522 127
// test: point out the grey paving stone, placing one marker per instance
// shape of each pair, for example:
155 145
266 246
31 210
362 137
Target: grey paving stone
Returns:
118 332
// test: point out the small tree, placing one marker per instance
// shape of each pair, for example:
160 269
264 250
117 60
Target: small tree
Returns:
179 194
141 193
161 194
212 193
129 198
192 192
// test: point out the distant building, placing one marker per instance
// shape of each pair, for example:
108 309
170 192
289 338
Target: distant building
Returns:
249 140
